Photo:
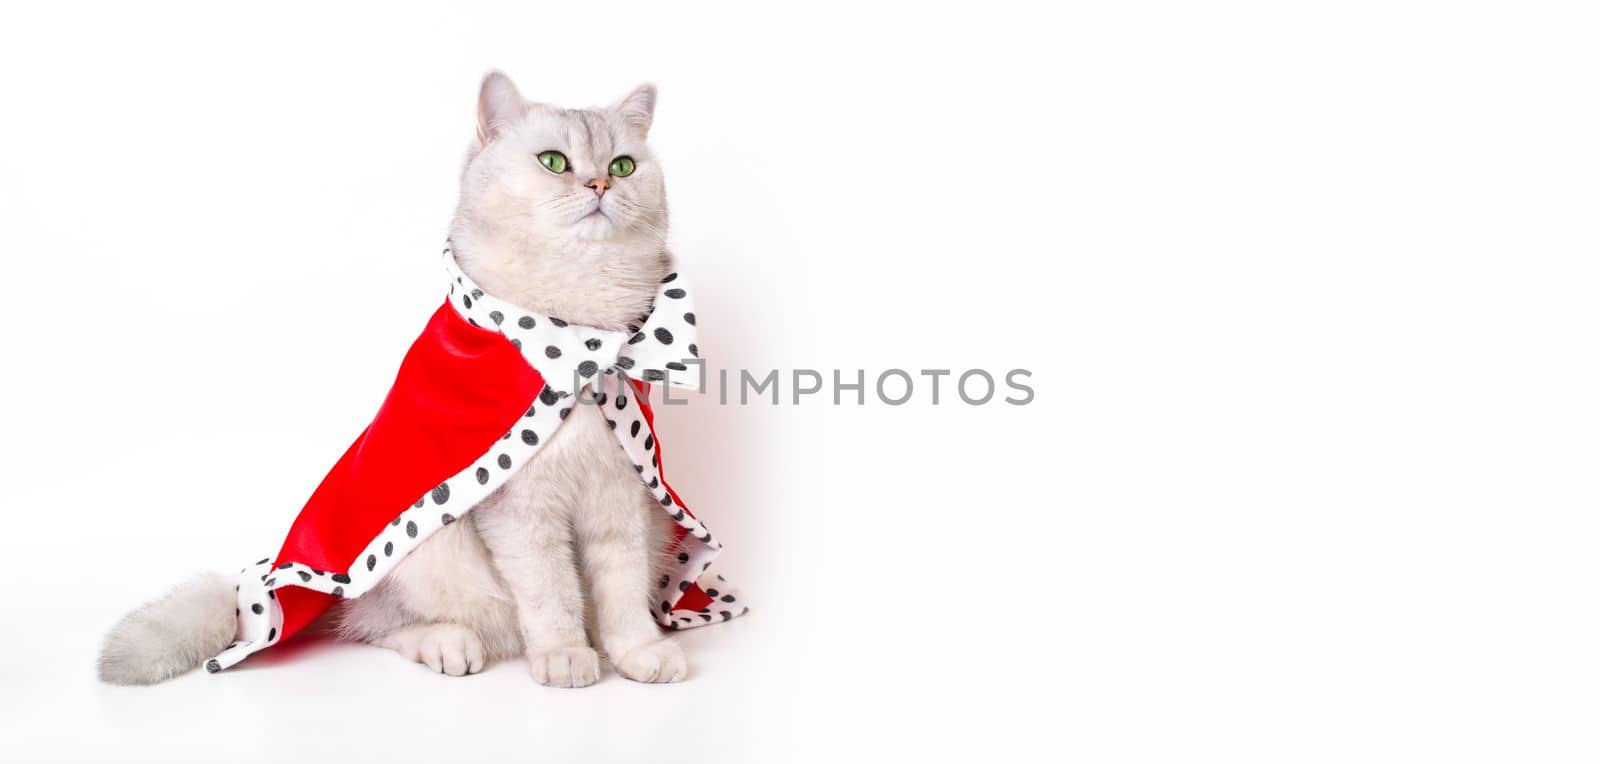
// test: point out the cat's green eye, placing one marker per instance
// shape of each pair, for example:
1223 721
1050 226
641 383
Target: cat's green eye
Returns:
622 167
554 161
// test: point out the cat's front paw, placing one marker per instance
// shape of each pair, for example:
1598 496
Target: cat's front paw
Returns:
658 661
453 650
447 648
565 666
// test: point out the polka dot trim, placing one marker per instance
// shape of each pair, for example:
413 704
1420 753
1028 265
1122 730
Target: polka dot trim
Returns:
697 548
726 604
661 347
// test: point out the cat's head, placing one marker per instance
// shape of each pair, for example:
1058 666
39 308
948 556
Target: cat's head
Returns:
554 177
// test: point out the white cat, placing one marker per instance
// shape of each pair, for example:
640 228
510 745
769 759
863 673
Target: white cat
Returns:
582 242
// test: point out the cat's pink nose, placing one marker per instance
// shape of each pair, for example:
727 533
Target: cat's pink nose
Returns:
599 185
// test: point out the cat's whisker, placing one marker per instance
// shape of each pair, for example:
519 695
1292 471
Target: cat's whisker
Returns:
637 206
652 228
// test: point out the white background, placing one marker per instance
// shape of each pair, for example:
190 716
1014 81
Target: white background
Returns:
1308 292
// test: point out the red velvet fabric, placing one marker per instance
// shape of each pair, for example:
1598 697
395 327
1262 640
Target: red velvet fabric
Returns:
459 389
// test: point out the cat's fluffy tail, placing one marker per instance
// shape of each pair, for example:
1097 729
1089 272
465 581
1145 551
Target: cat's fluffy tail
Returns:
171 635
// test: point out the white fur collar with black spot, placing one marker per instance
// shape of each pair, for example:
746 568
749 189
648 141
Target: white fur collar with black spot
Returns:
659 348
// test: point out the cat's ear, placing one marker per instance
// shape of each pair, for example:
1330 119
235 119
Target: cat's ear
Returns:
499 105
638 108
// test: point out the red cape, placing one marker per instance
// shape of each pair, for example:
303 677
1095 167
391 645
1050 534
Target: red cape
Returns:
445 433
